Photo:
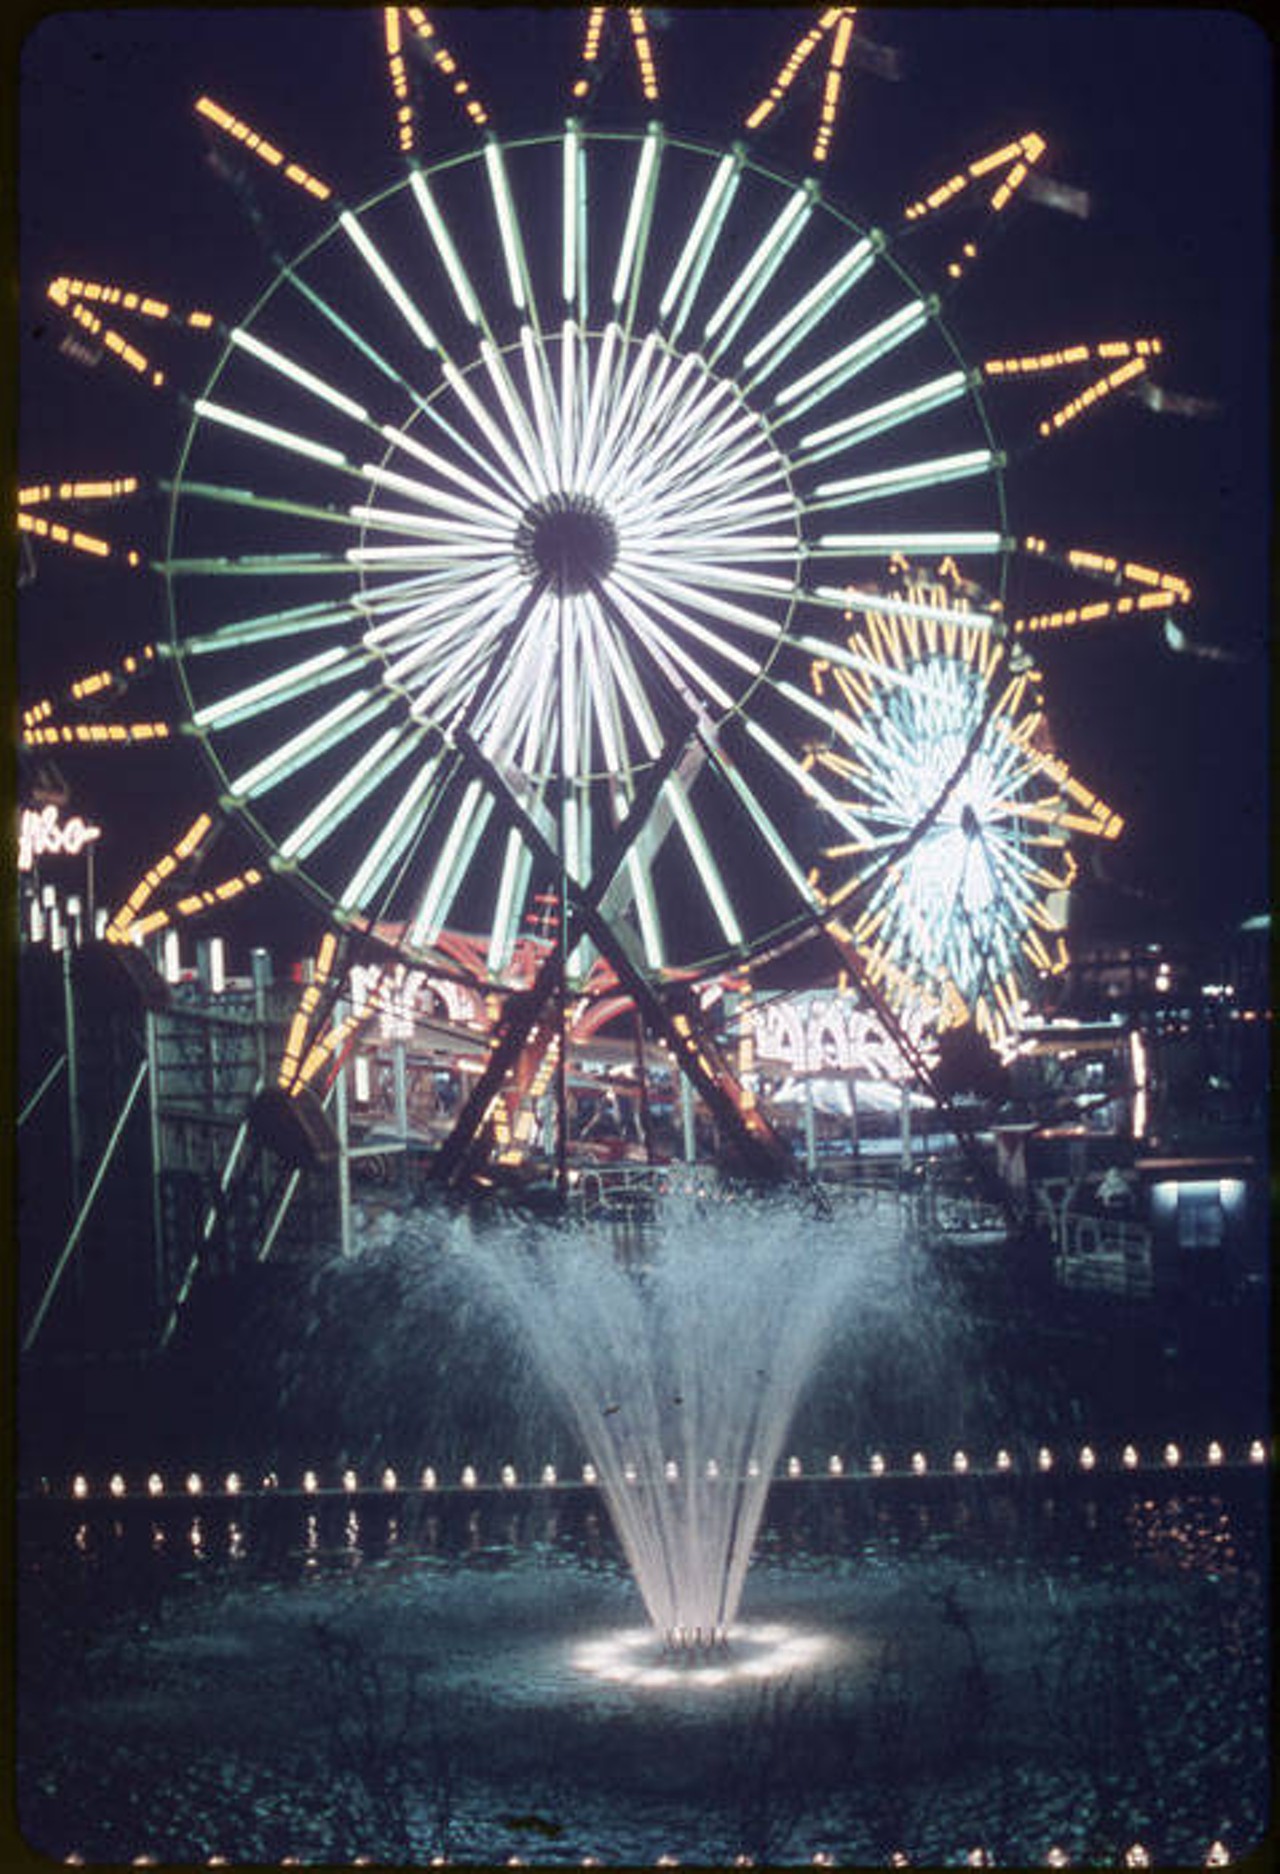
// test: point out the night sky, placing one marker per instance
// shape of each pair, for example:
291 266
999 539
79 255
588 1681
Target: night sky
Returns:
1162 116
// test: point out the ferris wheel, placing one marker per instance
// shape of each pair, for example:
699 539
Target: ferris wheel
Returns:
549 469
518 525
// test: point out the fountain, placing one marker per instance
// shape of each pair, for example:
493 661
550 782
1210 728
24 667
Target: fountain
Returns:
680 1376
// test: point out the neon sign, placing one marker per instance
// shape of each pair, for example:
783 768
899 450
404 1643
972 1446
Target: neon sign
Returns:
41 834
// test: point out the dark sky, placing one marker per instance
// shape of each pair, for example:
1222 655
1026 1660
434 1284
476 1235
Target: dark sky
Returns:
1163 116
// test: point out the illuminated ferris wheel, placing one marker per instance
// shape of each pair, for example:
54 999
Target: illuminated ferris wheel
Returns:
513 519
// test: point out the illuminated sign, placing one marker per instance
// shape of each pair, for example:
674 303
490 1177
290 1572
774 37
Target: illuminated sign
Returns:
42 834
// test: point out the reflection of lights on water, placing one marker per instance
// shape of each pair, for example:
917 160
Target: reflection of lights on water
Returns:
309 1482
353 1530
196 1537
235 1541
1137 1856
1217 1855
636 1657
1057 1857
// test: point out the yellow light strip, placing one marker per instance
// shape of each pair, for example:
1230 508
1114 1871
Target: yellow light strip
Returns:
68 289
597 20
39 493
1015 161
838 23
446 64
266 152
399 75
288 1076
74 538
1034 363
1159 590
1091 396
120 928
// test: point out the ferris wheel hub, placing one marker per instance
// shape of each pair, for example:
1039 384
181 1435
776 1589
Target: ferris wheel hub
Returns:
569 540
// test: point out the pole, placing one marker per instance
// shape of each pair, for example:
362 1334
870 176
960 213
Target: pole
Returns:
344 1152
83 1215
73 1075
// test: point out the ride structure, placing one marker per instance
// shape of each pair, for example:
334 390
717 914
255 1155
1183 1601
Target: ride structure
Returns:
588 518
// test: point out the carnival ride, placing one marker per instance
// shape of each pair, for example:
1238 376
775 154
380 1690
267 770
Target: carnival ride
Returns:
588 519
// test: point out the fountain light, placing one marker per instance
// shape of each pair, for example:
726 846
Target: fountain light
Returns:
822 1859
428 1478
1257 1452
794 1467
978 1857
1217 1855
960 1463
1044 1458
232 1485
350 1481
1003 1461
629 1473
309 1482
753 1467
389 1479
468 1477
1057 1857
1088 1457
548 1473
877 1464
713 1469
589 1473
898 1859
1214 1453
671 1471
116 1486
835 1465
79 1487
744 1860
919 1463
666 1860
1137 1856
1129 1457
1172 1455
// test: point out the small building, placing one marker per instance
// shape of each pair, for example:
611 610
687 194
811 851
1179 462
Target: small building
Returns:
1207 1221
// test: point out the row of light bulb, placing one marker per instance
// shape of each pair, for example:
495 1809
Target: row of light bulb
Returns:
1137 1855
1086 1459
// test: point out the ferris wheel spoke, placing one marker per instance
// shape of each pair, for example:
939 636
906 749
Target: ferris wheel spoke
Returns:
573 223
700 243
395 836
495 517
639 609
818 383
438 229
317 738
325 667
433 623
509 236
727 319
270 627
635 232
776 345
366 775
387 279
513 885
489 495
852 432
907 477
465 830
469 536
650 581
